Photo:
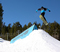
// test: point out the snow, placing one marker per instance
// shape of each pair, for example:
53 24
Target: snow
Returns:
37 41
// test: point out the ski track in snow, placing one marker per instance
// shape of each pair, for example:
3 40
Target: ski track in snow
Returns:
37 41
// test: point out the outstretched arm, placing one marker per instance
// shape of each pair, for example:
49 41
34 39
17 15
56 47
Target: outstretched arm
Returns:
48 10
38 9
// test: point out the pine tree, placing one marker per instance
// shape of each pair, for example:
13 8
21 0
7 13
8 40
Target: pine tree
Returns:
9 28
39 26
19 27
29 24
3 29
25 27
1 14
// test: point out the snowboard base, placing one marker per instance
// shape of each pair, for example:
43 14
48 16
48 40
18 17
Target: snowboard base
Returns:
45 22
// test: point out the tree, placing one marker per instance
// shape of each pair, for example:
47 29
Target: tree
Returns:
39 26
35 23
9 28
25 27
29 24
3 29
18 26
1 14
15 27
12 29
43 26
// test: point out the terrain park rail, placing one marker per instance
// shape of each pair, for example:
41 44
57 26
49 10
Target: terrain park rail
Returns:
24 33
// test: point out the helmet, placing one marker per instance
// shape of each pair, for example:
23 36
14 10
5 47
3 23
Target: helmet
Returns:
42 7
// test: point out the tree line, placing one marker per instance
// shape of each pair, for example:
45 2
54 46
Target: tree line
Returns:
14 30
9 32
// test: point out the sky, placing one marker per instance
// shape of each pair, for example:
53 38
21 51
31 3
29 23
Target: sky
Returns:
24 11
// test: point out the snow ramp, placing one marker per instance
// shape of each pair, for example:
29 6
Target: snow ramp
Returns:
24 33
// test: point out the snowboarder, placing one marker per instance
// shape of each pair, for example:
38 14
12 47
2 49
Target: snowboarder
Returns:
42 9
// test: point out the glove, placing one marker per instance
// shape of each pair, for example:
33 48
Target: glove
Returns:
36 10
49 10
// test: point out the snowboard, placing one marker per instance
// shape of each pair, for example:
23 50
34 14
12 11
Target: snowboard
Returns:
44 21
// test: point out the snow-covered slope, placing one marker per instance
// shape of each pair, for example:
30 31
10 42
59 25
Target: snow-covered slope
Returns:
37 41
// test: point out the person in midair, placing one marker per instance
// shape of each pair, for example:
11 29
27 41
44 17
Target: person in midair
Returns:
42 9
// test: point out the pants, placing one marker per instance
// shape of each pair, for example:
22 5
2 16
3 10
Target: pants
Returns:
43 15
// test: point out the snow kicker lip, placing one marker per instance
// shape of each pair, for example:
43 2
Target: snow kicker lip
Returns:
24 33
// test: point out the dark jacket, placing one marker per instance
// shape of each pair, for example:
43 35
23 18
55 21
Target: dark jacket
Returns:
42 9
